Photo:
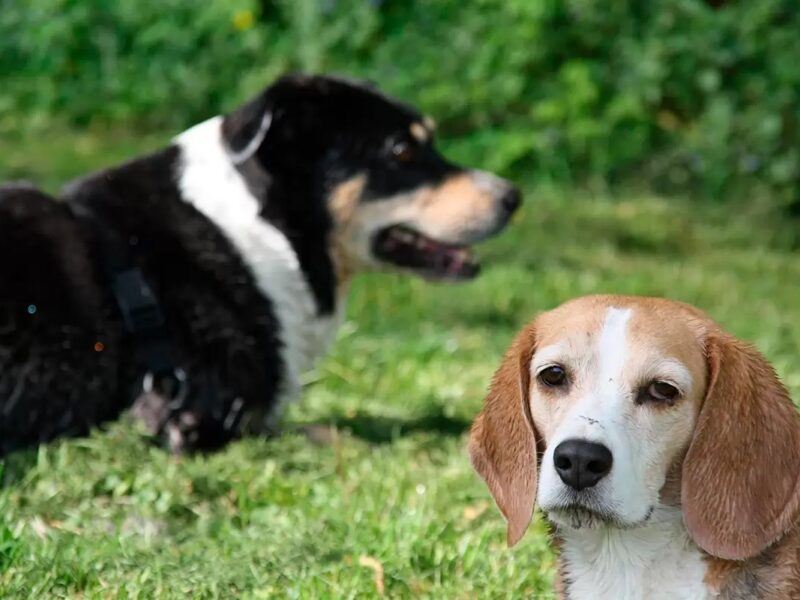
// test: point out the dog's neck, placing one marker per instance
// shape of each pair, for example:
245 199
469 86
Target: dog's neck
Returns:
215 186
657 561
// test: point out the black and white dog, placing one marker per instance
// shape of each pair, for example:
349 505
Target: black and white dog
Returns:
222 261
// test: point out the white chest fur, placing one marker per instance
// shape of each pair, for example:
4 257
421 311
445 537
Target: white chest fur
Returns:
655 562
212 184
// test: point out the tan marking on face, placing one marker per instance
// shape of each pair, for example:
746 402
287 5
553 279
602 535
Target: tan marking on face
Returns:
344 200
343 203
454 206
429 123
419 132
460 210
562 333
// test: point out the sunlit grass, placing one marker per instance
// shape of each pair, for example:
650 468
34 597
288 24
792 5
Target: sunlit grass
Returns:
390 486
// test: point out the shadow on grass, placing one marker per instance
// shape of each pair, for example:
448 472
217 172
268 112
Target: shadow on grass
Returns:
377 429
14 466
374 429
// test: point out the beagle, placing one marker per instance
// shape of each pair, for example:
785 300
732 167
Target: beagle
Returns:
664 452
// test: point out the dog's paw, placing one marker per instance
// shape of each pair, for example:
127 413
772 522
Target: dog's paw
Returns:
182 434
152 410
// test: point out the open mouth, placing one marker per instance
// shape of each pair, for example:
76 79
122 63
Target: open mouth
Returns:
404 247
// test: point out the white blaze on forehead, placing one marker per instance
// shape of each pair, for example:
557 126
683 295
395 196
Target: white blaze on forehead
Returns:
612 349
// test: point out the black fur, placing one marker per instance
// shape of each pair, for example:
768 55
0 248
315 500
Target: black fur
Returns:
224 330
53 312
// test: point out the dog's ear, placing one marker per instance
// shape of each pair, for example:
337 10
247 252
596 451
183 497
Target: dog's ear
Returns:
246 129
502 443
289 111
741 476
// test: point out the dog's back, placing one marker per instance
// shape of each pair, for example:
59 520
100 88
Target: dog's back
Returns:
56 340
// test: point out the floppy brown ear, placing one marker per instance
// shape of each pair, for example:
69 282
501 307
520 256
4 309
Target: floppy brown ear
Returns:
740 486
502 445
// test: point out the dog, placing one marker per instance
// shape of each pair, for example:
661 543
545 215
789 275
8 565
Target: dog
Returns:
664 452
198 283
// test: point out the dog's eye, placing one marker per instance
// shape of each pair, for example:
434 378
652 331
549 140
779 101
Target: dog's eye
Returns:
402 152
661 391
553 376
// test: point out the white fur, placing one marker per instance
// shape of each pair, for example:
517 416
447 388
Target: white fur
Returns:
654 562
210 182
612 352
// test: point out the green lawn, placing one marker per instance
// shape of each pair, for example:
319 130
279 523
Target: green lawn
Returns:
113 517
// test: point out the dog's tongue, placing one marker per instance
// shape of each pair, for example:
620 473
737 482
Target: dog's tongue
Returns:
458 262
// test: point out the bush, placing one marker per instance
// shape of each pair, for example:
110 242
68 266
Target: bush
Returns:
688 93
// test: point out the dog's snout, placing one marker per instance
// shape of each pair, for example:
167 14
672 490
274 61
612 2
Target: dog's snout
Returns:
581 464
503 192
511 199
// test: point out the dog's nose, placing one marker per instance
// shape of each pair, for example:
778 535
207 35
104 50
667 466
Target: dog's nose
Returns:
510 200
582 464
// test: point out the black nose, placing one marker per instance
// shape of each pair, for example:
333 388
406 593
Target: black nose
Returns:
510 200
582 464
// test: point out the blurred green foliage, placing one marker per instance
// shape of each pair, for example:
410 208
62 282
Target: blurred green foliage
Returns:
689 94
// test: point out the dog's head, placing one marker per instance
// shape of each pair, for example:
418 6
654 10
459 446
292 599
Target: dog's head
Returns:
380 189
608 406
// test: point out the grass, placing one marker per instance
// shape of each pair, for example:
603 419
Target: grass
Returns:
389 499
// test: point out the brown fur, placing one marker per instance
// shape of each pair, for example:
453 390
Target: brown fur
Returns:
457 200
344 200
740 488
771 575
343 203
737 482
502 441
